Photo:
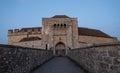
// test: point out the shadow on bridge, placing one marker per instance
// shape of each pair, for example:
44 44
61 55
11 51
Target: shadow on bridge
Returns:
59 65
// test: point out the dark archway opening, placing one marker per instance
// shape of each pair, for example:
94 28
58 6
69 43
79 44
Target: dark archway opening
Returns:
60 49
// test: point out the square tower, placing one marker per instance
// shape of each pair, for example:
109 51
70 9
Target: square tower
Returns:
60 29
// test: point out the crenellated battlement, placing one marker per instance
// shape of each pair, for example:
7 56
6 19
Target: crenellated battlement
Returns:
24 31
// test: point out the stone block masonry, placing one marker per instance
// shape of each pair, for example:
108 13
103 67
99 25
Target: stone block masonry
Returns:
104 58
14 59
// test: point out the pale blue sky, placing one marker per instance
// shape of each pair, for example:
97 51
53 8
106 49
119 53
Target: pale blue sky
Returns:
97 14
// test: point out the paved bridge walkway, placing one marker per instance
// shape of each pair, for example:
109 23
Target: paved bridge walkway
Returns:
59 65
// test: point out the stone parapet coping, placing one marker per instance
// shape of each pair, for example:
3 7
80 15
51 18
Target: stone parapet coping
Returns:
100 45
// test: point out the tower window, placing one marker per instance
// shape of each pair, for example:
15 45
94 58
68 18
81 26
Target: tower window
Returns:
61 25
58 25
64 25
54 25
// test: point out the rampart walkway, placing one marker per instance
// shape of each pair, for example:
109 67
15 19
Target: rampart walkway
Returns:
59 65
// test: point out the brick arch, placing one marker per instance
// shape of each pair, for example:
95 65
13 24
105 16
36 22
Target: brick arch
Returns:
60 43
60 49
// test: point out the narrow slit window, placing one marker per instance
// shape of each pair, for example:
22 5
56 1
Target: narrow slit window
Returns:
61 25
64 25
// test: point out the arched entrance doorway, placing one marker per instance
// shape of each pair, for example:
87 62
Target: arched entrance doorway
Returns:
60 49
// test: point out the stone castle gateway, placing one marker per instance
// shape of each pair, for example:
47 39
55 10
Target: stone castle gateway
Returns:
58 33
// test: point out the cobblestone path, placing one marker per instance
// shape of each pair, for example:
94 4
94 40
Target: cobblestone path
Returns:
59 65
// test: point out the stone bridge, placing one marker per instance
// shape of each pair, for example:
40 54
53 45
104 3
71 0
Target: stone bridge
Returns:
102 58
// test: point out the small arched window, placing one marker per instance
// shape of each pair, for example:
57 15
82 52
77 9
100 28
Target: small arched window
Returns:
54 25
61 25
58 25
64 25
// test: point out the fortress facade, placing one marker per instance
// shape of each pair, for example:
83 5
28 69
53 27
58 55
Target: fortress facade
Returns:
58 33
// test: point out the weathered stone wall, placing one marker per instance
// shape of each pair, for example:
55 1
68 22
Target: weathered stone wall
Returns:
104 58
90 40
15 59
34 44
15 38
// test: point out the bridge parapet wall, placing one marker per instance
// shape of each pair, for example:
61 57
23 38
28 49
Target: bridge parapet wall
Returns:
15 59
102 58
